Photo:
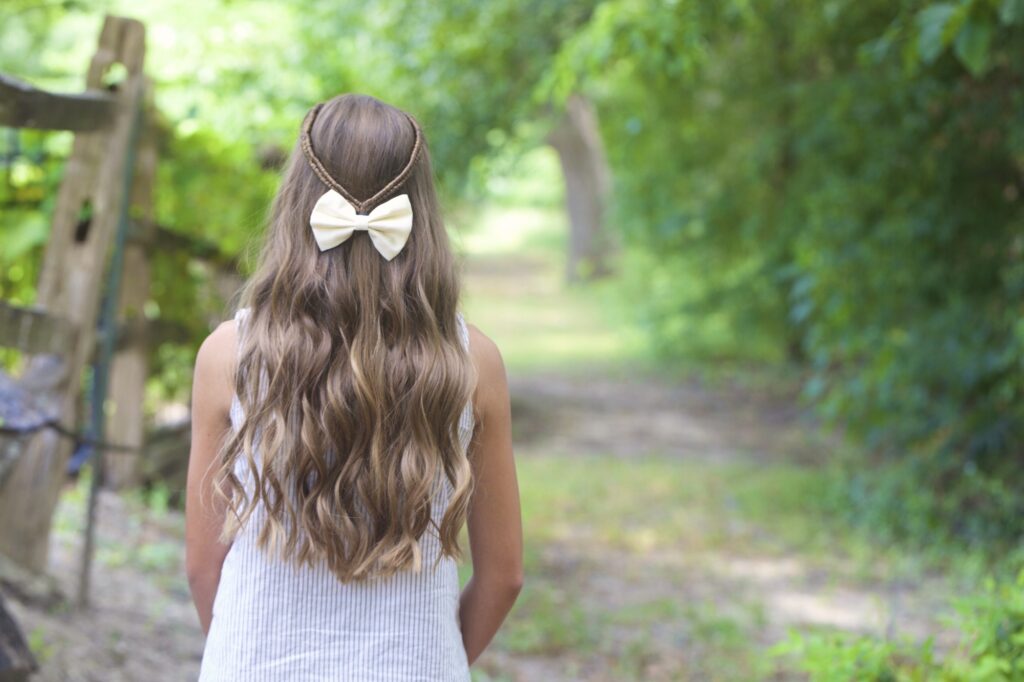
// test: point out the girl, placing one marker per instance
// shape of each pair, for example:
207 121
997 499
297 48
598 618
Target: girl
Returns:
345 425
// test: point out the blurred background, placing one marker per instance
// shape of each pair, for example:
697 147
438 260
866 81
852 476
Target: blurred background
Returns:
755 269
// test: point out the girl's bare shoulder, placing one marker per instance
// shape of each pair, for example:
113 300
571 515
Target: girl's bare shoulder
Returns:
483 350
220 345
215 363
490 366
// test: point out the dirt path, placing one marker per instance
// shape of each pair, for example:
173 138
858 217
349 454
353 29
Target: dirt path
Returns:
635 417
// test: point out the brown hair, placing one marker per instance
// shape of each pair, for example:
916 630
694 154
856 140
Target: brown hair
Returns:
363 374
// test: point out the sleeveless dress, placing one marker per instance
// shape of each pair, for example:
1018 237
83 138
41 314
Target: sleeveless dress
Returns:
274 622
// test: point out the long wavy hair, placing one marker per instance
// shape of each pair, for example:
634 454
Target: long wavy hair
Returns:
352 374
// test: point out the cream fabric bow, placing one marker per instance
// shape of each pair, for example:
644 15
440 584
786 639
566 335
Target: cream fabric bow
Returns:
334 220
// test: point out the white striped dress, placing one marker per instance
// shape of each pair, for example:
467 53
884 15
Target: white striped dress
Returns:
273 622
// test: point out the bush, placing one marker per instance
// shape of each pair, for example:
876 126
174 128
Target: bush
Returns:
842 658
932 500
994 624
992 651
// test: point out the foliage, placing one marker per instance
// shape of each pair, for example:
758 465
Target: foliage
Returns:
896 501
842 658
994 622
993 649
467 70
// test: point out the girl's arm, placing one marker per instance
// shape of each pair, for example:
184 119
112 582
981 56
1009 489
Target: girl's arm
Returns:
212 390
494 520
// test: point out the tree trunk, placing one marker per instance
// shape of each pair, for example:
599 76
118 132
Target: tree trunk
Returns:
577 140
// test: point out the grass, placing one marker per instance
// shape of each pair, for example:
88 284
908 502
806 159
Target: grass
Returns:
660 503
618 514
615 578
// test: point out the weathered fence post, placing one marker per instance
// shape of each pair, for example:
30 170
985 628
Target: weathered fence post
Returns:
126 421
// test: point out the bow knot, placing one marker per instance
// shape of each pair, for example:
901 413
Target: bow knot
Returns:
334 220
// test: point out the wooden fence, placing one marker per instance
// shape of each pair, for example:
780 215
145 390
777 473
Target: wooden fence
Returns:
107 178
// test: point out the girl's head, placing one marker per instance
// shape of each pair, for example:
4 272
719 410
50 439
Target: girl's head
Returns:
351 374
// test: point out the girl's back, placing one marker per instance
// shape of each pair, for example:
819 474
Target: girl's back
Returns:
403 627
345 426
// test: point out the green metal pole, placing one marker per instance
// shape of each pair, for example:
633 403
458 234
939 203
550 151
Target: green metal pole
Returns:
105 354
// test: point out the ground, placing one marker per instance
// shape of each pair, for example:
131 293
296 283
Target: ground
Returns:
670 525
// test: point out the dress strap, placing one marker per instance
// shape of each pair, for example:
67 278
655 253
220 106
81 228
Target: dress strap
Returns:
463 330
241 314
466 419
241 318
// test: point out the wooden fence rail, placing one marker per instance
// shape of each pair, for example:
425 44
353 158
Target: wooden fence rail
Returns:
25 106
34 330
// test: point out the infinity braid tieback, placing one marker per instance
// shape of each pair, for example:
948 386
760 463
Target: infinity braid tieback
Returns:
337 214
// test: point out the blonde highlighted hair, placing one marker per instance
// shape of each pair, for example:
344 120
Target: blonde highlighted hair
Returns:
352 374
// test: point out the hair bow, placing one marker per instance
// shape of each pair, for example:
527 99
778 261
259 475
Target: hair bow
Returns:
334 220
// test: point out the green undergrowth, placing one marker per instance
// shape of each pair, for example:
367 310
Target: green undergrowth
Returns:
992 649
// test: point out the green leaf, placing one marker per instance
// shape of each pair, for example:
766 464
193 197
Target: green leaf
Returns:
932 25
972 45
1011 12
23 237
